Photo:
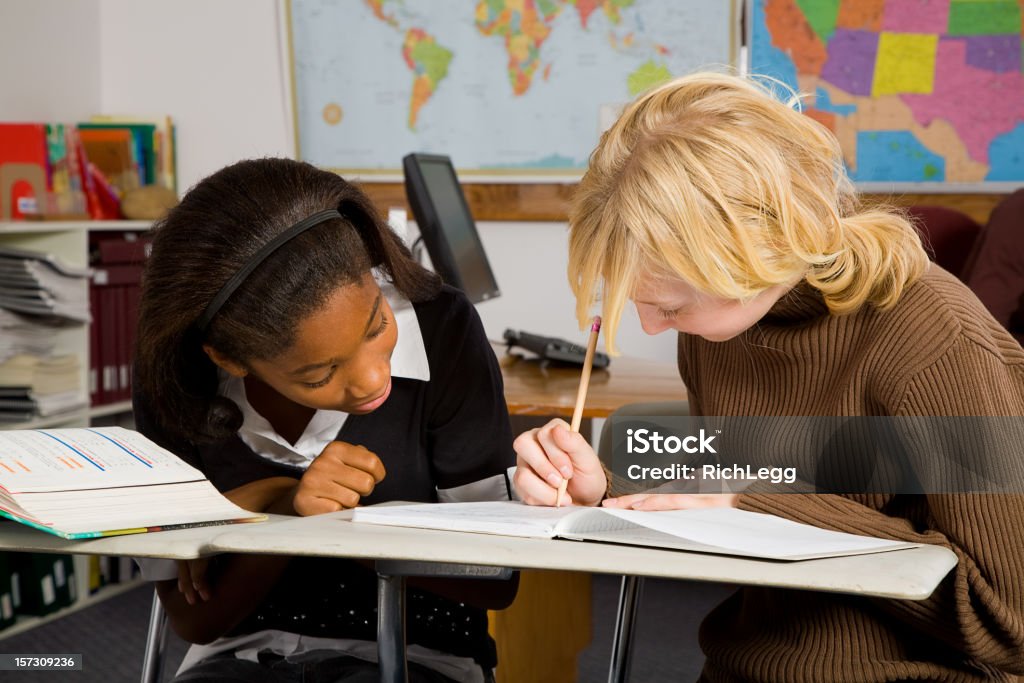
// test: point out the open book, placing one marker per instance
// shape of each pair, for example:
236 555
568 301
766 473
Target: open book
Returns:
724 531
84 483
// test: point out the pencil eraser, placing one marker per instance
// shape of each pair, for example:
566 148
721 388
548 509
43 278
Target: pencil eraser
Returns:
596 327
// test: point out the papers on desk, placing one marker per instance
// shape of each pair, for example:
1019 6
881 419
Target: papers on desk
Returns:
83 483
724 531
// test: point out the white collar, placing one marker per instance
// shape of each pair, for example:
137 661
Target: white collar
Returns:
409 360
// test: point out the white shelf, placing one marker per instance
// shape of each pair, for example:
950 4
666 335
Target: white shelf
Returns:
86 416
25 227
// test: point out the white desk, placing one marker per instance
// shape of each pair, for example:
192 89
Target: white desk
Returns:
904 574
909 574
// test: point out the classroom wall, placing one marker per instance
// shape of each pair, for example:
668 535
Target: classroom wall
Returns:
216 68
213 66
49 57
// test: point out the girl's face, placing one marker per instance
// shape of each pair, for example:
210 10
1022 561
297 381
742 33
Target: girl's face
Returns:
341 358
668 303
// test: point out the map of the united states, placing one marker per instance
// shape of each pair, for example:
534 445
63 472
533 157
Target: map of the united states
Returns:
915 90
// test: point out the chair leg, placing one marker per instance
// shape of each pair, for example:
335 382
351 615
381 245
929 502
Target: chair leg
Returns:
625 625
391 628
156 642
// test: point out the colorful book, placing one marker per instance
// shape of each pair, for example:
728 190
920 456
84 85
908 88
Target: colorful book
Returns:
105 481
144 137
163 142
114 152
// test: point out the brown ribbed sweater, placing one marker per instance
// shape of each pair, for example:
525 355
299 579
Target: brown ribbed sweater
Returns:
938 352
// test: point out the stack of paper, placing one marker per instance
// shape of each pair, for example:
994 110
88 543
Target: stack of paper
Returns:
24 335
34 381
31 386
39 284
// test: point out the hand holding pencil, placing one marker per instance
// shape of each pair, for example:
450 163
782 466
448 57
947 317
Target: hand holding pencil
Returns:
554 464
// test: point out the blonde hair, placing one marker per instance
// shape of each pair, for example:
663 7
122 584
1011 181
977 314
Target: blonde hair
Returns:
712 179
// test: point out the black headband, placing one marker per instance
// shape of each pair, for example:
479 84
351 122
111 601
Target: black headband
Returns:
259 257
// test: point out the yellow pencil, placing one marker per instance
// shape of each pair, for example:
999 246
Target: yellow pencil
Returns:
581 394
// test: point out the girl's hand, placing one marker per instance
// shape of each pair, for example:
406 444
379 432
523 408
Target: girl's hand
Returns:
550 454
337 479
672 501
193 580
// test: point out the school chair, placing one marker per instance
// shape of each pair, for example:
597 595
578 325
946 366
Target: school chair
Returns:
631 591
995 269
989 259
949 236
391 575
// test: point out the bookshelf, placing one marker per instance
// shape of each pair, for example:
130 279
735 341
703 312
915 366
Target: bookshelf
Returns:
69 241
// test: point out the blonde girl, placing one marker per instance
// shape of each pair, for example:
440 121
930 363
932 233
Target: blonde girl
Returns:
726 216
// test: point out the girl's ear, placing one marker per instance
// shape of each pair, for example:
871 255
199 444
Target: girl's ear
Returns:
224 363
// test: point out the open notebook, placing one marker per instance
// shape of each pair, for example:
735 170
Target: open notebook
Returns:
83 483
724 531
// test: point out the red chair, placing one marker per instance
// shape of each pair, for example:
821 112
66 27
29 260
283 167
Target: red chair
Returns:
989 260
948 235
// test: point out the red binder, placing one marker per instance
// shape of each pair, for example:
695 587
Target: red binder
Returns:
23 169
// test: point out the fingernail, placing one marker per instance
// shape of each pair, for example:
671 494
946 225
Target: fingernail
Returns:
566 471
188 598
554 479
204 595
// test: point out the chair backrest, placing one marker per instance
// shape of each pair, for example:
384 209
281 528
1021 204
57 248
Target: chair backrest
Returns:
948 234
995 269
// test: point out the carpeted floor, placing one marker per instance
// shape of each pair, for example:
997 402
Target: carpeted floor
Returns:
111 636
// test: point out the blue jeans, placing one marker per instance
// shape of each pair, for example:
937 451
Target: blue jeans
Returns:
317 666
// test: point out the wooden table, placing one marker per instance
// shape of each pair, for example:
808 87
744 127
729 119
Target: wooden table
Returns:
549 390
540 636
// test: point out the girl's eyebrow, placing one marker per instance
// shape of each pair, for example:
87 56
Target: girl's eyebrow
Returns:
331 361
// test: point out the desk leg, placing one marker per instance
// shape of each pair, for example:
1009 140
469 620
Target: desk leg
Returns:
156 642
625 623
391 629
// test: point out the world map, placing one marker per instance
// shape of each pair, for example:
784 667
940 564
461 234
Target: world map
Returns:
917 91
502 86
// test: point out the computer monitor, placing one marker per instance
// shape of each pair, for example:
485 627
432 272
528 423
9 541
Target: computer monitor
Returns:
446 225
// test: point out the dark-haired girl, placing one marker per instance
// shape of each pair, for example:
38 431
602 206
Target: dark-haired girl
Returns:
291 349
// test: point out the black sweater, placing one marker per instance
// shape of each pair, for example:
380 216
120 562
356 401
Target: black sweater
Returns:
450 431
